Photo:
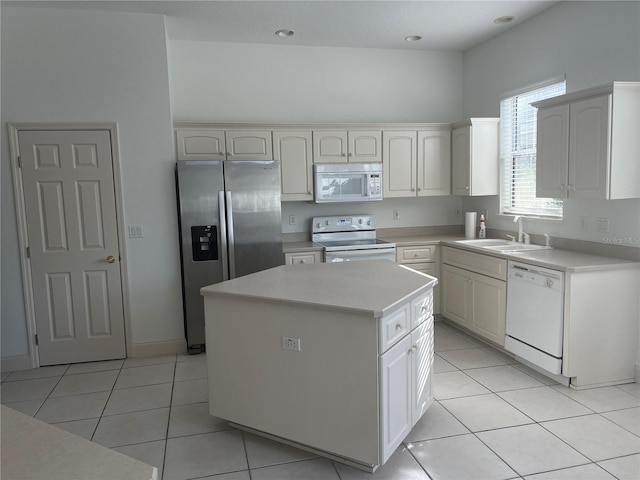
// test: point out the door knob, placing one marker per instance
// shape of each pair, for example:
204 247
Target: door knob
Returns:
111 259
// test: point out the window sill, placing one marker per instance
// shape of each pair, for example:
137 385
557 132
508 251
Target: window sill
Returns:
535 218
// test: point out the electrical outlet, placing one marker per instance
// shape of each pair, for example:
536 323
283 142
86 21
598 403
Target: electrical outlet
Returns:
291 343
584 224
292 219
396 214
602 225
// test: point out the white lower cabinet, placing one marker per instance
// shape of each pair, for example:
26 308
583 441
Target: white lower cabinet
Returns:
425 259
302 257
405 385
475 301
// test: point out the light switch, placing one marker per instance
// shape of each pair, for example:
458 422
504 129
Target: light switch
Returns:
135 231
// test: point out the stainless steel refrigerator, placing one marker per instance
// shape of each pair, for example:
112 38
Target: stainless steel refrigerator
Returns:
230 226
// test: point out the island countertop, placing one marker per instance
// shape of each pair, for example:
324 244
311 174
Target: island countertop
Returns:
373 286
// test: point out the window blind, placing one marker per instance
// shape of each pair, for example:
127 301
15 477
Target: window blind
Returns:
518 154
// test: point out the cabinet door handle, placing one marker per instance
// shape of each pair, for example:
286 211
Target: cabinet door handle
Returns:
467 187
398 326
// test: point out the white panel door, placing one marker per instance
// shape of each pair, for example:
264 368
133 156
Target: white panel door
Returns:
422 369
364 146
293 150
395 396
399 165
330 146
461 161
72 233
589 126
434 163
552 153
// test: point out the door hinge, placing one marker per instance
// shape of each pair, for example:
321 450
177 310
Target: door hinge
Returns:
36 339
28 252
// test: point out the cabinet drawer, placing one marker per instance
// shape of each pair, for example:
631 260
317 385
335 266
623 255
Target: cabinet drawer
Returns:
394 326
475 262
416 254
306 257
421 309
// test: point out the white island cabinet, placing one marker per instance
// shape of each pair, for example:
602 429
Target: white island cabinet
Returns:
334 358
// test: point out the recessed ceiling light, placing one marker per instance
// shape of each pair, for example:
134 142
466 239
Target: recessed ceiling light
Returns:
284 33
413 38
505 19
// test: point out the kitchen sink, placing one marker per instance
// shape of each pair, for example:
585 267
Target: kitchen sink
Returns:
516 247
485 242
500 245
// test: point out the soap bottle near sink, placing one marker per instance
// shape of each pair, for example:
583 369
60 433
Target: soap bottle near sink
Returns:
483 228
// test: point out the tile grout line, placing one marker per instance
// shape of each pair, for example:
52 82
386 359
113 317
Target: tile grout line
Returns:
95 429
166 437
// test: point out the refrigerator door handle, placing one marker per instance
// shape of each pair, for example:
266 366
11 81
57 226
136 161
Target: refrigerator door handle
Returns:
232 252
223 235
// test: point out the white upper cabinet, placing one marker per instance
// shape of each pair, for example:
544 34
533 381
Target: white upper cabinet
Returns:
249 145
292 148
399 169
552 144
215 144
475 157
588 143
416 163
201 144
434 162
342 146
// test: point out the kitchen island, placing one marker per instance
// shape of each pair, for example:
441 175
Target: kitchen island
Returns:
335 358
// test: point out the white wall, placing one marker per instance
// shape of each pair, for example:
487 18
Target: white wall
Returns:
413 212
223 82
592 43
82 66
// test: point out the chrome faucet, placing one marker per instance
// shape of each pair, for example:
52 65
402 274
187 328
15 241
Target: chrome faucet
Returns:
518 219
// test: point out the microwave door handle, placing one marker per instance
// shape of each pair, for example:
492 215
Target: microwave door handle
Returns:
368 186
223 235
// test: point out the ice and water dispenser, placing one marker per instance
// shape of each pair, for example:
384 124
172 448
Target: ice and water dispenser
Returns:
204 242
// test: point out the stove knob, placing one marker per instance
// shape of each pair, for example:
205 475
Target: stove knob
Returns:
360 221
326 222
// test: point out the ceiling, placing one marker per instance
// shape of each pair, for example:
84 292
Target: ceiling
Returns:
453 25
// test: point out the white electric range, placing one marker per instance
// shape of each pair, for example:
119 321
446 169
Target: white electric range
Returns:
348 238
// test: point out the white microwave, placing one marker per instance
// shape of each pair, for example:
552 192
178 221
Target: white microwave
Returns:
347 182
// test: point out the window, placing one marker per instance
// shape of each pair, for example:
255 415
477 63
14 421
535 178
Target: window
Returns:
518 154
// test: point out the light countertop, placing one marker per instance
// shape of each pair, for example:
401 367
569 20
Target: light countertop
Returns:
289 247
371 286
558 259
411 240
33 449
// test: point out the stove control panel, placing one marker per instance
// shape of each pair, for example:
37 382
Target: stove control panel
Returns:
345 223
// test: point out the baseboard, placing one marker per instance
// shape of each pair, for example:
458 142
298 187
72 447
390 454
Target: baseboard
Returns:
153 349
17 362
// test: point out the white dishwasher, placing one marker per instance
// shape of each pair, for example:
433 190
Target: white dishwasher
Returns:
535 303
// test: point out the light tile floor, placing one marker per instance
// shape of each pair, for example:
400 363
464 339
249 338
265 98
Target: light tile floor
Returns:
492 418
